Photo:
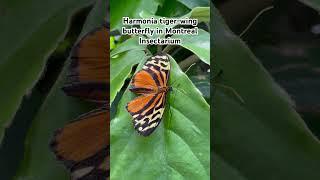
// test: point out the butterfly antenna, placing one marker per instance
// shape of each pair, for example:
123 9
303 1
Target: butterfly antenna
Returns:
189 67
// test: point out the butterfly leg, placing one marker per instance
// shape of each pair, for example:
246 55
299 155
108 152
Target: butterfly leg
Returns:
233 91
228 88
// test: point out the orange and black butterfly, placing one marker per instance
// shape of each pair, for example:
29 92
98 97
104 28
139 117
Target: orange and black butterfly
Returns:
151 83
83 145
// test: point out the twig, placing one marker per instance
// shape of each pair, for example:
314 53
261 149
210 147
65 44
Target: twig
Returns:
188 61
159 48
176 51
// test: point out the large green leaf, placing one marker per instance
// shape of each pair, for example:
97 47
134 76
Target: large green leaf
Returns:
58 109
121 67
30 31
198 44
178 149
262 138
195 3
128 8
222 170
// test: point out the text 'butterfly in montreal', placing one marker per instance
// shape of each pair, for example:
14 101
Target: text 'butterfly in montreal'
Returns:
151 84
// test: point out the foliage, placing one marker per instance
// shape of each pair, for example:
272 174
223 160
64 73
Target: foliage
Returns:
263 137
27 57
180 147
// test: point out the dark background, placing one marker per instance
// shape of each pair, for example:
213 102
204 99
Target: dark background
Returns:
284 38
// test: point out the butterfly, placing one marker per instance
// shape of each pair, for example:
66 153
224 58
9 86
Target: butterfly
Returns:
83 144
151 83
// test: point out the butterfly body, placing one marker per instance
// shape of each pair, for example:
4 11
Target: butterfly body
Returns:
157 90
151 83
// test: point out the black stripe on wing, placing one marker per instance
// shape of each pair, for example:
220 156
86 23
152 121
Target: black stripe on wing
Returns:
154 76
145 106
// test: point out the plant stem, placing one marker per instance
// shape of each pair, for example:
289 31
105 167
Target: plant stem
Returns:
168 48
188 62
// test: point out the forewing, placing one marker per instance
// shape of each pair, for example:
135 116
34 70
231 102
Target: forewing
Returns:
89 69
143 82
158 67
154 74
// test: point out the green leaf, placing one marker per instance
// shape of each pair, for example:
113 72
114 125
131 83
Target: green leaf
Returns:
172 8
112 43
24 52
178 149
200 13
58 109
130 44
192 3
121 67
128 8
315 4
262 138
198 44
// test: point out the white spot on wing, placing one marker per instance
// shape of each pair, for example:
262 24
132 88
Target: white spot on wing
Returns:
81 172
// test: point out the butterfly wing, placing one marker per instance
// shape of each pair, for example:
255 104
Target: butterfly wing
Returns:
83 145
88 77
147 109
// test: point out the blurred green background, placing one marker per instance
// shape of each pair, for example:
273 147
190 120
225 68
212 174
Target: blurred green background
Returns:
268 53
286 39
37 37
